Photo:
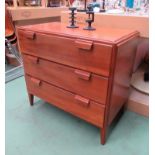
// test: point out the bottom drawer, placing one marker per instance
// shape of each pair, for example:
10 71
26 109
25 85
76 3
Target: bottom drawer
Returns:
77 105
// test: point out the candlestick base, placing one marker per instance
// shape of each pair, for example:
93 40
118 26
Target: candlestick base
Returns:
72 26
89 28
102 10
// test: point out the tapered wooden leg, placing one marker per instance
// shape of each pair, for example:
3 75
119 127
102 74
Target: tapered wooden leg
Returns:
31 98
102 135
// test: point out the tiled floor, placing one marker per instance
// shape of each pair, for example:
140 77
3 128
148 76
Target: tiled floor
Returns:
46 130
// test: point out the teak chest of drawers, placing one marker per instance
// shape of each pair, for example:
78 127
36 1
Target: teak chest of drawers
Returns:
85 73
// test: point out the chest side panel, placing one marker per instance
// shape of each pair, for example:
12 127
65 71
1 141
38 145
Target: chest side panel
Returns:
125 56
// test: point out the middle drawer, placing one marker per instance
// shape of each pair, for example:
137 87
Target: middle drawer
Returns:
74 80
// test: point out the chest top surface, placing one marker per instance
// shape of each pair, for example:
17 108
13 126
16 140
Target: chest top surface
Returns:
107 35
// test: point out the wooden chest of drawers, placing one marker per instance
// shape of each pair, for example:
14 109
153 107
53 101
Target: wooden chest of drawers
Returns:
85 73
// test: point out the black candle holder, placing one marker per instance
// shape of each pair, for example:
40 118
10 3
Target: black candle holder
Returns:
72 17
90 19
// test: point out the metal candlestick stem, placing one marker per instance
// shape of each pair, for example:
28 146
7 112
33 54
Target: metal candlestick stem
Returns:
103 6
72 17
90 18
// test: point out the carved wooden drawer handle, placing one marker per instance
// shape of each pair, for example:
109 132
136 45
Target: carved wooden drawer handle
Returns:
82 101
82 44
30 35
33 59
83 75
36 81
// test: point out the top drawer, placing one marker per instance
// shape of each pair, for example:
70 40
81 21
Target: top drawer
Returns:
86 55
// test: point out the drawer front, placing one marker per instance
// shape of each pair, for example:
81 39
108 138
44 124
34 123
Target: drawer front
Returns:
69 102
86 55
74 80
